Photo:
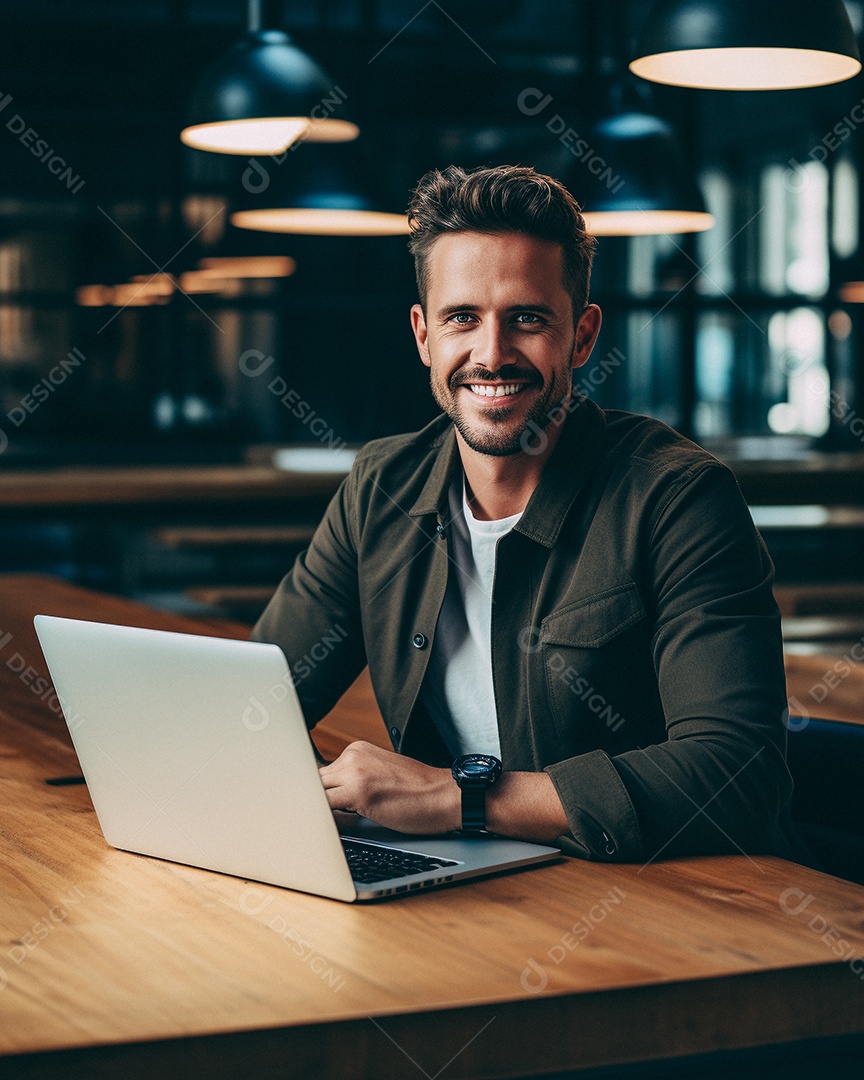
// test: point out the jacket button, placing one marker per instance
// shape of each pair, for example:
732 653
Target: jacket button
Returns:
419 641
394 735
609 844
440 530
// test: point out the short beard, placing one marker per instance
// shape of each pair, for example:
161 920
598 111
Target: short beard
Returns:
504 444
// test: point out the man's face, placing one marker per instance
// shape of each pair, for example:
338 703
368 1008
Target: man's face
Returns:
498 336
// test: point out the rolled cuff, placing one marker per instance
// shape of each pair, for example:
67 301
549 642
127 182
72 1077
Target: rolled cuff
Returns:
602 818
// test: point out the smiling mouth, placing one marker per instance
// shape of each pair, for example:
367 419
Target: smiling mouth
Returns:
495 390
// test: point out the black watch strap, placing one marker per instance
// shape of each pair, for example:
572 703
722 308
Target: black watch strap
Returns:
475 773
474 806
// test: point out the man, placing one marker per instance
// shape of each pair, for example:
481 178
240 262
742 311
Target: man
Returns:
577 593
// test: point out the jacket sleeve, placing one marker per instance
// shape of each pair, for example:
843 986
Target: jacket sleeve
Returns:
719 781
314 615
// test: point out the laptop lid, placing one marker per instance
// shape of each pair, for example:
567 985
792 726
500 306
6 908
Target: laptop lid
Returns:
188 757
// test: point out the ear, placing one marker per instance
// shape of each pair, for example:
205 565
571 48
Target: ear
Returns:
421 334
587 330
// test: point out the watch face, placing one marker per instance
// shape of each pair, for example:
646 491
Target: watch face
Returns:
477 767
477 764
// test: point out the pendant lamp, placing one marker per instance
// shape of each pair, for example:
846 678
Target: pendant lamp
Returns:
263 95
633 180
322 190
747 44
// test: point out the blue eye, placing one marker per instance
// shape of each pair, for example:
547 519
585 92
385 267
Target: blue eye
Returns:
528 315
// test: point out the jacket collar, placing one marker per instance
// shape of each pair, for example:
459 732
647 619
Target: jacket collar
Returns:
442 438
579 448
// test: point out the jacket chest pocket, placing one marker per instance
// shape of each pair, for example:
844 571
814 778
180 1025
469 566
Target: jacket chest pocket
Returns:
598 668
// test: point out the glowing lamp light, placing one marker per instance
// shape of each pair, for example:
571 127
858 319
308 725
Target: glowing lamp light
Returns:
248 137
747 68
272 135
136 294
248 266
647 222
194 281
322 221
747 44
214 275
155 284
93 296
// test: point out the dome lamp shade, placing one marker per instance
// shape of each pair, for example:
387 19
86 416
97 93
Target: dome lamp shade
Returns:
325 192
261 96
747 44
636 181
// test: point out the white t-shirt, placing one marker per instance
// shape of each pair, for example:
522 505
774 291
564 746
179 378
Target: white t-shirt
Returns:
458 691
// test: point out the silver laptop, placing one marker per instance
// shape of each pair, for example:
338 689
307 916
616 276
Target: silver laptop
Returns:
195 750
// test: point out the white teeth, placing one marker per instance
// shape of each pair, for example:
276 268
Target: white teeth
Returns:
496 389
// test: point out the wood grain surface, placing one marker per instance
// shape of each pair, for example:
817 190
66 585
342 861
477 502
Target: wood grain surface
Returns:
107 959
118 485
825 686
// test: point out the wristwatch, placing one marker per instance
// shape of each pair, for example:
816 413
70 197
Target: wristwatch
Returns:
474 773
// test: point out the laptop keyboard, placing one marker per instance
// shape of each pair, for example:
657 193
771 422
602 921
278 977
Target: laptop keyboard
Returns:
370 862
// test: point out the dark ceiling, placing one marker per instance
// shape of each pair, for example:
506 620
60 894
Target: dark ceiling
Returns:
105 83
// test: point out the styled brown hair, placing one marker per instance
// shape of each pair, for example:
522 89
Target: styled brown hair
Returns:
502 198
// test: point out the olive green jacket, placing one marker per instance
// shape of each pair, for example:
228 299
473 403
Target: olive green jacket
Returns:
636 645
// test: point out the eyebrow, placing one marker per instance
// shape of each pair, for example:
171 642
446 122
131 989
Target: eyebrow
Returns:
452 309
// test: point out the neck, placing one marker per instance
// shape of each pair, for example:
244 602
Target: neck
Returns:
501 486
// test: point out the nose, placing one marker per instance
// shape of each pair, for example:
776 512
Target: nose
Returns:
492 348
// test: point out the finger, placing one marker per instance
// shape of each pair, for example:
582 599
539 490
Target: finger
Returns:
339 804
329 778
333 769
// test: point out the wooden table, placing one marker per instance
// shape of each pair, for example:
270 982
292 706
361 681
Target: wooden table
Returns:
122 486
113 964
